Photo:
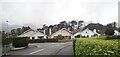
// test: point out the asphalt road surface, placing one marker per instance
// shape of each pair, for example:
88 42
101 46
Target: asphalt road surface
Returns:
40 49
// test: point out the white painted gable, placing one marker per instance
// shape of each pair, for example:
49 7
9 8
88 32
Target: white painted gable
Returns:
87 32
62 32
36 34
32 33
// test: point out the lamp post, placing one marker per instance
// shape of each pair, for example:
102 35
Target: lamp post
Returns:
7 29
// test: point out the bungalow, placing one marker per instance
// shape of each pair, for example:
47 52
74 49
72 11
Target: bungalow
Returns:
116 32
87 33
64 32
32 34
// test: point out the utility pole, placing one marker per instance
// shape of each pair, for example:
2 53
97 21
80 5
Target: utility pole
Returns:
7 29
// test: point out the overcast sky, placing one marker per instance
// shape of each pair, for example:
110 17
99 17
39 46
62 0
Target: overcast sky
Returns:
39 12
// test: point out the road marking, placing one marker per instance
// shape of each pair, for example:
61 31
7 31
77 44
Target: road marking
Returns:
62 46
36 51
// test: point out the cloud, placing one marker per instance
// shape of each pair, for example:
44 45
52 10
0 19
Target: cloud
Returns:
40 12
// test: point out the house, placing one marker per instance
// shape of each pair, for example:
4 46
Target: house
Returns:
32 34
116 32
64 32
38 35
87 33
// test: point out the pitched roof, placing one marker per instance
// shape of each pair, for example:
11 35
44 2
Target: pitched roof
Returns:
32 33
63 29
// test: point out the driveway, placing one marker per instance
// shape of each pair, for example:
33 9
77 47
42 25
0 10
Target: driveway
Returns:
40 49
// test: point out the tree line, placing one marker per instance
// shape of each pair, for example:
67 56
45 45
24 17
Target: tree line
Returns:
73 26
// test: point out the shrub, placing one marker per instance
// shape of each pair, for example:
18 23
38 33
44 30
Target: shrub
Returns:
74 41
87 46
20 42
42 40
60 37
113 37
107 37
6 41
109 31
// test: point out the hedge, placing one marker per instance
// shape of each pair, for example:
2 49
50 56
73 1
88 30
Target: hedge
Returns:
91 46
113 37
6 41
42 40
20 42
107 37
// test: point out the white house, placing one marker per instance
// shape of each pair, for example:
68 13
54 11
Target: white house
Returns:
116 32
87 33
33 34
64 32
38 35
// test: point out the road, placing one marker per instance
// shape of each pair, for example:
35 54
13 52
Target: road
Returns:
62 49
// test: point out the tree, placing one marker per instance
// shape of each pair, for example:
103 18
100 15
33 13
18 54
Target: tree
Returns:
114 24
13 31
109 31
18 31
4 35
119 29
80 23
73 23
63 24
25 29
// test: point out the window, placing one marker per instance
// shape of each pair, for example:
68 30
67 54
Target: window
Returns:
86 32
40 37
33 37
69 37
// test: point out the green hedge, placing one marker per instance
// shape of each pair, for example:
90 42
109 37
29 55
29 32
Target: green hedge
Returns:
42 40
20 42
91 46
6 41
113 37
107 37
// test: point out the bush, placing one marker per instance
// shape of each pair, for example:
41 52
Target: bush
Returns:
74 41
42 40
20 42
60 37
6 41
113 37
87 46
109 31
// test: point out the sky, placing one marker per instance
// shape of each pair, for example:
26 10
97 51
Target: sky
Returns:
39 12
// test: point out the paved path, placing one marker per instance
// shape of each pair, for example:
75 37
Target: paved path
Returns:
46 49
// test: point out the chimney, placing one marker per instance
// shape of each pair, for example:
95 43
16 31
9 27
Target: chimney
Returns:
50 31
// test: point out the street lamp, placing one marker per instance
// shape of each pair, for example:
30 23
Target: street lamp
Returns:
7 29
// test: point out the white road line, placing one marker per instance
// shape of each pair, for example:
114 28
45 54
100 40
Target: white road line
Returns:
36 51
62 46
